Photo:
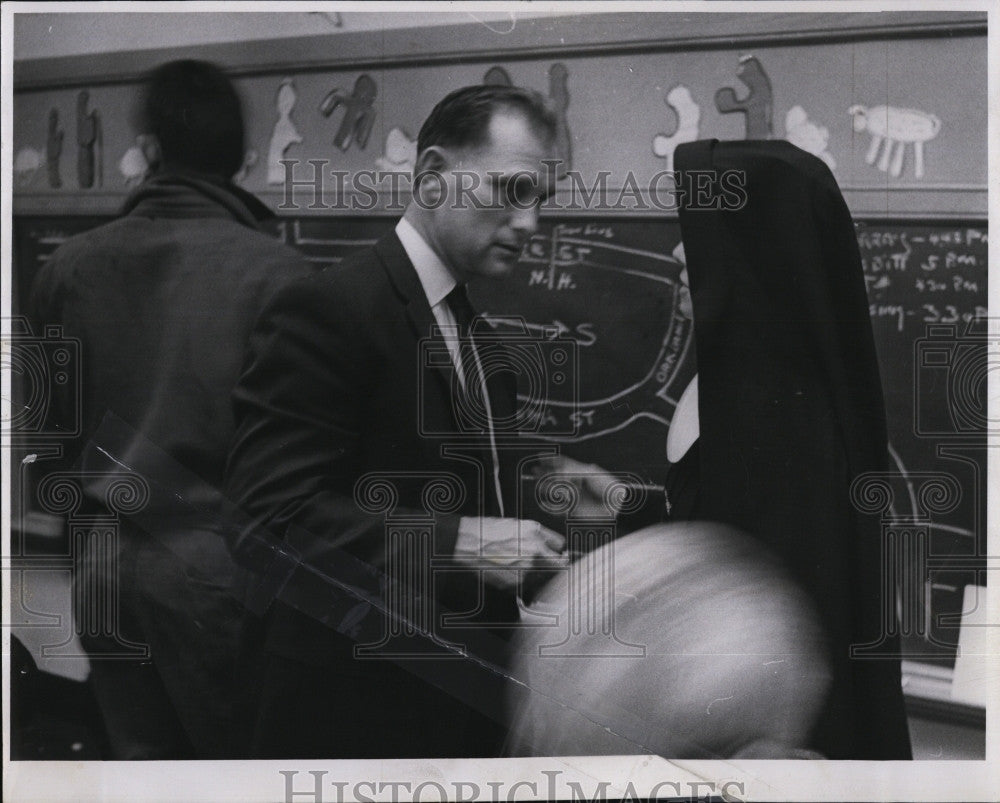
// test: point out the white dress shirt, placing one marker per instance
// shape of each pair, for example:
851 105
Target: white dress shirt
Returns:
437 281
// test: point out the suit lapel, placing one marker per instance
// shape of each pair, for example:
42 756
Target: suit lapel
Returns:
403 277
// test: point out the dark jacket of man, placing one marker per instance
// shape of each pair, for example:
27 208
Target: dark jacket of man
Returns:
344 413
162 301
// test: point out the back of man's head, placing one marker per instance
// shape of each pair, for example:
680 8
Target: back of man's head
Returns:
194 111
462 118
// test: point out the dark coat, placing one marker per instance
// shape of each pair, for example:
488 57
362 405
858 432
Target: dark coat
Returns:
344 383
791 408
162 301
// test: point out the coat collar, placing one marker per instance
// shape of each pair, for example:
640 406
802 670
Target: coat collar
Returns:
192 195
435 277
405 281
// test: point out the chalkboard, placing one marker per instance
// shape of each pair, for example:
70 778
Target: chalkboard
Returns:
927 292
610 287
613 288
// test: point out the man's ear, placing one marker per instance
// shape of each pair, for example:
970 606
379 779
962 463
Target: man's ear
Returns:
428 178
150 147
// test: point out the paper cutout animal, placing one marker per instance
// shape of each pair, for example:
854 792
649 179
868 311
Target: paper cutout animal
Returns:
400 153
53 149
892 129
359 116
803 133
688 116
26 164
284 135
757 104
89 155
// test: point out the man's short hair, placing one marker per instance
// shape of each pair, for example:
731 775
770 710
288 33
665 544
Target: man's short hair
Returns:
462 118
195 112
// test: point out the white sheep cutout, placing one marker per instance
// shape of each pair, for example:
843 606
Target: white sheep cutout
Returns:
892 127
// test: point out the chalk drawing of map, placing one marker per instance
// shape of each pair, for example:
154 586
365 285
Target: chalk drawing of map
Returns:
626 308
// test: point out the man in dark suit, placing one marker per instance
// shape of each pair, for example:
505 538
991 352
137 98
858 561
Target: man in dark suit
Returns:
371 439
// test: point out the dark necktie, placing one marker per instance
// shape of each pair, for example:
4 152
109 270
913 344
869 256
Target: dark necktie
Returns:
462 309
475 386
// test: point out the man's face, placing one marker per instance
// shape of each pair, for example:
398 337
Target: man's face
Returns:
493 194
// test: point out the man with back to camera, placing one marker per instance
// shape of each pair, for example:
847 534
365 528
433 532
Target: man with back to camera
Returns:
336 389
162 300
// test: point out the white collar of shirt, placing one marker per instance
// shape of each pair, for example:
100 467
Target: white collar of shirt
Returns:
437 282
434 275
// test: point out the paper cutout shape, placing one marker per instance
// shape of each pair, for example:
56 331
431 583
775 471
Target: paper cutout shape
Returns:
497 76
26 164
559 95
359 116
249 160
284 135
53 149
400 153
803 133
892 129
133 165
688 116
757 104
89 140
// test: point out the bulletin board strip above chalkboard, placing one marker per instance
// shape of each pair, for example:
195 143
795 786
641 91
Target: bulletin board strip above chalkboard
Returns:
581 35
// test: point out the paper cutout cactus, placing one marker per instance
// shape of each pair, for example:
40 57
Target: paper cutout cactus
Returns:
88 140
758 103
559 95
497 76
53 149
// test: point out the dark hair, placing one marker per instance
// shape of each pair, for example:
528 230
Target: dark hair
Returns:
462 119
195 112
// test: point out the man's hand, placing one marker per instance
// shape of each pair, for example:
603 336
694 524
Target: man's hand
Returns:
504 547
600 493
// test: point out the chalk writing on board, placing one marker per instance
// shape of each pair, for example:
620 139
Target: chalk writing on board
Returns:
923 275
619 296
317 246
582 333
626 314
569 269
